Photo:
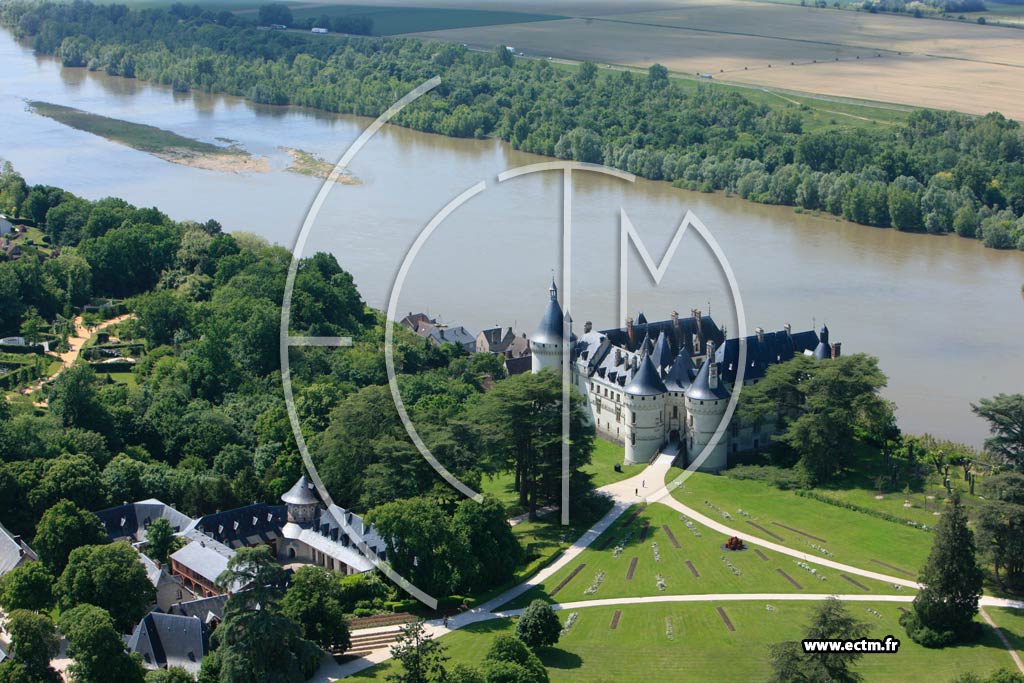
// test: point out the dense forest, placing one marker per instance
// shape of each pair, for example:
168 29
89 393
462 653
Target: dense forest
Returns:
938 172
202 421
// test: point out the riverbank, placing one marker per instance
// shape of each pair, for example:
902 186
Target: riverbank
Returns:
161 143
308 163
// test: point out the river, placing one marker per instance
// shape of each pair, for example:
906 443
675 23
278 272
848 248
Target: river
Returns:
944 315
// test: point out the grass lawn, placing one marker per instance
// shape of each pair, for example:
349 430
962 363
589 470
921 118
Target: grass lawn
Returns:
602 464
852 538
128 378
601 469
702 649
704 552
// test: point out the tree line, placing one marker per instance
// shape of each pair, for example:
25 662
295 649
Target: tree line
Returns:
939 172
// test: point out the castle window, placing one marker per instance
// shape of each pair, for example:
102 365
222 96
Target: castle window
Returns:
634 418
675 411
632 438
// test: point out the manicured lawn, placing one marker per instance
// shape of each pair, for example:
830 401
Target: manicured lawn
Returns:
601 468
702 649
128 378
602 464
852 537
705 553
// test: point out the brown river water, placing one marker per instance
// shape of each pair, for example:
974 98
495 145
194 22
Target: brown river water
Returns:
944 315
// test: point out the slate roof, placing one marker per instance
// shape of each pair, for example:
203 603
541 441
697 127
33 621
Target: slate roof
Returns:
301 493
661 354
700 389
646 381
549 331
678 337
166 640
131 519
205 609
13 551
453 335
773 347
206 559
245 526
681 375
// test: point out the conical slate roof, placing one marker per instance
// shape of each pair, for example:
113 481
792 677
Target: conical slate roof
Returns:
823 350
300 493
550 329
700 389
662 353
646 381
681 375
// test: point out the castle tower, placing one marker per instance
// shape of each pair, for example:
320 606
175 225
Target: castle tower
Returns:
706 401
301 502
546 341
645 399
823 350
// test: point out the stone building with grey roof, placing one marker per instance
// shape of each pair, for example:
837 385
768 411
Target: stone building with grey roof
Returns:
662 385
14 552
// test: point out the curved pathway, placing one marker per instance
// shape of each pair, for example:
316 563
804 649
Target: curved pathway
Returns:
625 494
75 344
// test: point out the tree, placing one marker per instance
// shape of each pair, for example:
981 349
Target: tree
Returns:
34 643
502 56
944 609
33 325
486 532
421 656
75 400
509 661
519 426
422 546
315 602
107 576
161 315
28 587
256 642
1000 525
63 528
539 625
175 674
275 13
161 541
998 676
1005 415
824 406
96 648
831 621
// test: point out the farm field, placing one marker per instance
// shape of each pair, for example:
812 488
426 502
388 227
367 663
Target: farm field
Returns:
389 21
853 538
890 58
702 649
720 571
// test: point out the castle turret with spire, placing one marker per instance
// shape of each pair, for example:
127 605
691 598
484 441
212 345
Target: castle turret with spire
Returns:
665 386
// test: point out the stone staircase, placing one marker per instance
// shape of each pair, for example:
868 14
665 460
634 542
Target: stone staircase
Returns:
363 643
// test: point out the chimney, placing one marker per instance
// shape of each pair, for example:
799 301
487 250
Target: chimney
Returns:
789 329
618 357
837 347
759 331
587 326
630 332
712 366
636 363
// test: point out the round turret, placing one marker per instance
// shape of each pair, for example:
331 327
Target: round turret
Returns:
706 401
645 407
301 501
546 341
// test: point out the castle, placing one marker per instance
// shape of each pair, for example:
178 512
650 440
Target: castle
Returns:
663 385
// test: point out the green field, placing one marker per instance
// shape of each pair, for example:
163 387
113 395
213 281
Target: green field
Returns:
852 538
389 21
704 552
601 468
702 649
